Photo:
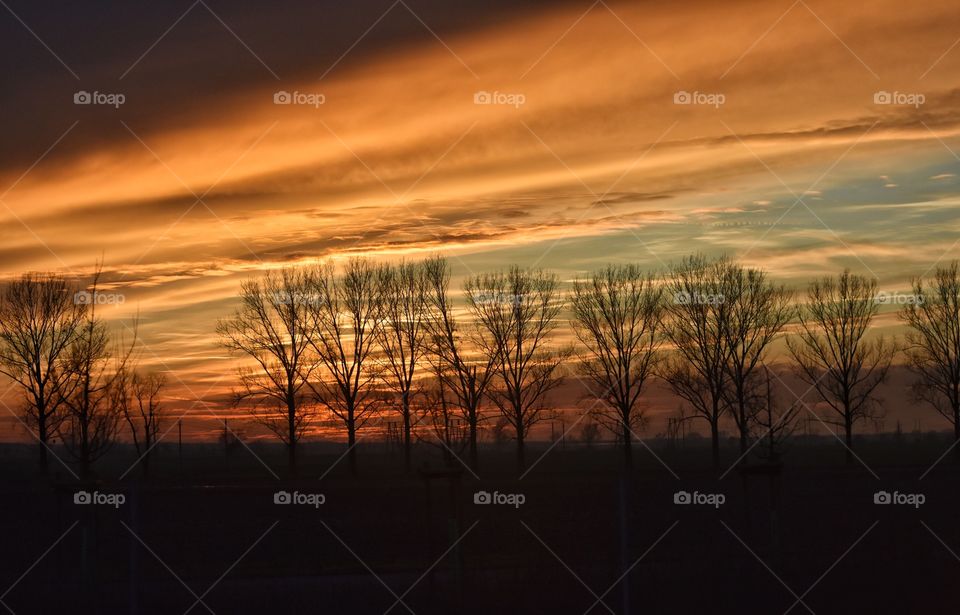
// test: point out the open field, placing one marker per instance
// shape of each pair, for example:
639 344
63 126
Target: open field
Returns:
211 530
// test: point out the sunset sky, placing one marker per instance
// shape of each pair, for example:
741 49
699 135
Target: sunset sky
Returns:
794 161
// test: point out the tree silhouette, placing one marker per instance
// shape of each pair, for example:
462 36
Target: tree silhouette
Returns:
933 343
39 320
757 312
274 327
444 420
92 365
517 311
832 353
699 322
465 373
617 319
774 423
403 297
346 320
138 397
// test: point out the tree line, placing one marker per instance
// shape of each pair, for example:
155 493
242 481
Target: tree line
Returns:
365 339
77 379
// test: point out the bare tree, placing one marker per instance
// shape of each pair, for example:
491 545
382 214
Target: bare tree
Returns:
617 319
834 356
444 419
772 422
39 319
138 397
757 312
699 321
517 310
465 373
403 296
92 365
346 319
274 326
933 343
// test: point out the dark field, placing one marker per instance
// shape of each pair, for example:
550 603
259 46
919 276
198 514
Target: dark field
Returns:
204 534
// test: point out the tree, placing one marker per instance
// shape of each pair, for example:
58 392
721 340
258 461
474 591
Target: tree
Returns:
403 295
517 311
465 373
774 423
346 319
138 397
698 325
834 356
758 311
933 343
617 317
444 422
274 326
39 319
92 365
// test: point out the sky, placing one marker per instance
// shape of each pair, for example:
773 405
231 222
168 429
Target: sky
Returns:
803 137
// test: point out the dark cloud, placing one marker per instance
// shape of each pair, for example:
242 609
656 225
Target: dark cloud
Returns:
199 66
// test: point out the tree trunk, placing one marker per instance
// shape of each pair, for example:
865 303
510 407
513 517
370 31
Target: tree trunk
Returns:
715 443
42 437
848 430
627 445
474 458
291 435
956 422
84 449
744 430
351 442
521 456
956 430
406 431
